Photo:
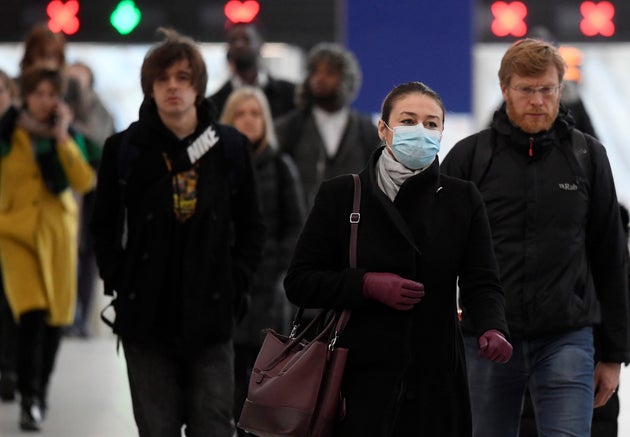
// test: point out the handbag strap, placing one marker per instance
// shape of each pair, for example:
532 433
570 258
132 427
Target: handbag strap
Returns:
355 218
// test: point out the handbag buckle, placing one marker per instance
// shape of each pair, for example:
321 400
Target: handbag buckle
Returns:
333 341
355 217
294 331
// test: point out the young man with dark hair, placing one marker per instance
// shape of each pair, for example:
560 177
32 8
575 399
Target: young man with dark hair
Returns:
178 234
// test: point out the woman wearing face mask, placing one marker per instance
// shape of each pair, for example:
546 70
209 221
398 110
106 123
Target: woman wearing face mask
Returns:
40 165
419 234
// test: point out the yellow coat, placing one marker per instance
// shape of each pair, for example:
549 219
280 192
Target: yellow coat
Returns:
38 230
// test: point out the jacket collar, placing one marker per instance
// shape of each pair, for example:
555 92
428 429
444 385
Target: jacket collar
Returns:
428 179
152 132
560 129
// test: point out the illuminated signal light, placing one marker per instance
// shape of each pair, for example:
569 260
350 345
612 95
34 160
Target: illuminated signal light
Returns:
126 17
509 19
63 16
573 58
241 12
597 19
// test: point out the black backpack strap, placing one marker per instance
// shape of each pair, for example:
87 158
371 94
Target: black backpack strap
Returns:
581 153
482 155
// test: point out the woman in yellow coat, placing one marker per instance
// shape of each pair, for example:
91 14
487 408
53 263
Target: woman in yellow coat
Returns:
40 164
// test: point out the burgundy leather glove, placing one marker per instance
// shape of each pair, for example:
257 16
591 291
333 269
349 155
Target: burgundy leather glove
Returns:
494 346
392 290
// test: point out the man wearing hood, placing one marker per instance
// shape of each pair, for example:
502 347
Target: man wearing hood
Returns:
557 234
178 234
324 136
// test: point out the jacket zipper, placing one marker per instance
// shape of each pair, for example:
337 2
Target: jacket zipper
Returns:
531 147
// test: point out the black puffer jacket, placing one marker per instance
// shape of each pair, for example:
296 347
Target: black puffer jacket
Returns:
177 280
557 235
284 213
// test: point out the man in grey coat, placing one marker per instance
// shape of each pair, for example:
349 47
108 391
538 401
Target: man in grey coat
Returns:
324 136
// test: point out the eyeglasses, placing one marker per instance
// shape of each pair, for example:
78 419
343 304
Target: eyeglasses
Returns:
528 91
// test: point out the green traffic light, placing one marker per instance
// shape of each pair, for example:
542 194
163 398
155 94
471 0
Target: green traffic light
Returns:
125 17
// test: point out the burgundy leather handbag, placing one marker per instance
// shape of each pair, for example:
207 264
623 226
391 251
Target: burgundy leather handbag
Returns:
295 386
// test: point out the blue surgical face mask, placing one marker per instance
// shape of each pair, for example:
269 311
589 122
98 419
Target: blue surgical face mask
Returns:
415 147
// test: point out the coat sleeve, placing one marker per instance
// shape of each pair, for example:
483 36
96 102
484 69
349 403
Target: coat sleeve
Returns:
288 131
107 213
607 252
78 170
319 275
293 208
249 227
481 294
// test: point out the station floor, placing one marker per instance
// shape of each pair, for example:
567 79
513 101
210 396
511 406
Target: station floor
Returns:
89 396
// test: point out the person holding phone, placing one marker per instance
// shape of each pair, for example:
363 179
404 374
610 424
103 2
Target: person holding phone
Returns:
41 164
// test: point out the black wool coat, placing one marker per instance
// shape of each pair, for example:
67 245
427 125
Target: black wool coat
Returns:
406 370
172 280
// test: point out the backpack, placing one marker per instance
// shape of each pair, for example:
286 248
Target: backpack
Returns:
484 152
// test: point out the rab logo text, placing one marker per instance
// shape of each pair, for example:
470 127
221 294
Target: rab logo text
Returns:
568 187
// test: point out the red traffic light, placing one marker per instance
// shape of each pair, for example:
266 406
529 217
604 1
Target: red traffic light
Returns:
509 19
241 12
597 19
63 16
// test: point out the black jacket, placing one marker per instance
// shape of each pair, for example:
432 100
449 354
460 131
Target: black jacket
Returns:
283 213
280 94
411 362
176 281
556 231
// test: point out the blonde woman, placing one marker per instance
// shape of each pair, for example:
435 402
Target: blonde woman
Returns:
280 191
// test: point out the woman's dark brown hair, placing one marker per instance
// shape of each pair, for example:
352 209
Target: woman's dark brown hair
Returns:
32 77
401 91
42 42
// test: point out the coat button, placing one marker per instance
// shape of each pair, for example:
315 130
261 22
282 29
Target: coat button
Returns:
145 256
150 216
132 296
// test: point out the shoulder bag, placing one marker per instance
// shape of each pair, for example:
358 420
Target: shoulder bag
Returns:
295 386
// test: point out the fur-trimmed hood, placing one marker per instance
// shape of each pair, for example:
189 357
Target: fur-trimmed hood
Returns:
350 73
